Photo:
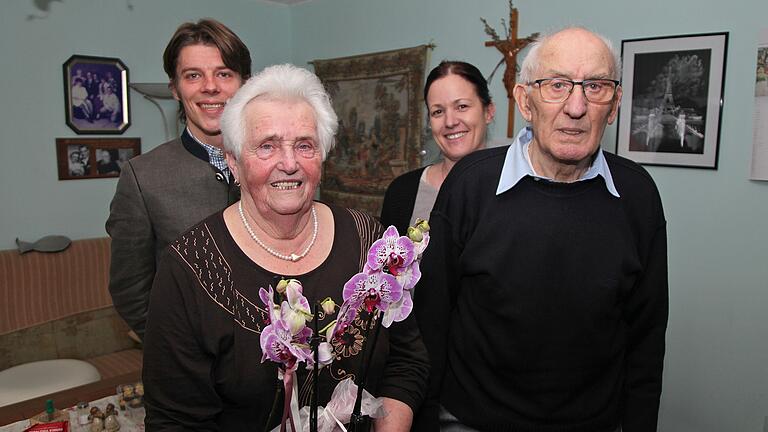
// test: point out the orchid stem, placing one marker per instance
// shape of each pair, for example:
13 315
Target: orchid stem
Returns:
356 418
315 373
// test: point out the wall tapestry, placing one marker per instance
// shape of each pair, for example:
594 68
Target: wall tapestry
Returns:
378 98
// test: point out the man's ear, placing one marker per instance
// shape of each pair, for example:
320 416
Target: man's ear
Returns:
616 103
173 91
522 100
232 163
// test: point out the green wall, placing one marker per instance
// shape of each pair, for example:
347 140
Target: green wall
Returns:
716 373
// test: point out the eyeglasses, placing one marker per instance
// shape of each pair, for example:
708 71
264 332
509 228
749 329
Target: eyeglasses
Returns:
556 90
303 147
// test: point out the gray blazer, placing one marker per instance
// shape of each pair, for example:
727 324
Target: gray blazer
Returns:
159 195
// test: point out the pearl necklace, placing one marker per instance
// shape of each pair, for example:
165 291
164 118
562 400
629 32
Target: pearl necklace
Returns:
292 257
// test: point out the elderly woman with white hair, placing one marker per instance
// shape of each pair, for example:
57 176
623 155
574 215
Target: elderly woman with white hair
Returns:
203 366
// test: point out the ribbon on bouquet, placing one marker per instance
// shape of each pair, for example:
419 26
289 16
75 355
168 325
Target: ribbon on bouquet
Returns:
337 412
291 403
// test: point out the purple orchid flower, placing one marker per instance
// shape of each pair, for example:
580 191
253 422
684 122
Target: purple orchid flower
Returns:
373 290
409 276
278 345
398 311
268 298
295 311
392 253
347 315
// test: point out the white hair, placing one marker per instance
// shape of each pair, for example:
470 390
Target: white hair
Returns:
280 82
531 63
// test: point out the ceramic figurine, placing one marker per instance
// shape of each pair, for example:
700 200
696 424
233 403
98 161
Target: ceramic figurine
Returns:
97 420
111 424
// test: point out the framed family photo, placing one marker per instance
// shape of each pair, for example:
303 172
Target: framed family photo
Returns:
673 99
84 158
96 95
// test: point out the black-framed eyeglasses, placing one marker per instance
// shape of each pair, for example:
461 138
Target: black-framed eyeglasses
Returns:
556 90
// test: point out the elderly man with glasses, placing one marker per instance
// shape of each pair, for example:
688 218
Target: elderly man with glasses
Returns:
544 300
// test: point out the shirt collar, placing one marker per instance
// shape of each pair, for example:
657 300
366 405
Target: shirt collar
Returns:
517 165
215 155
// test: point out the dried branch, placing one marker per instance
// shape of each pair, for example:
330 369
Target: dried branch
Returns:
490 31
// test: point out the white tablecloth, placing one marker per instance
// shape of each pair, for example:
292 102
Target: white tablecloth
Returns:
132 421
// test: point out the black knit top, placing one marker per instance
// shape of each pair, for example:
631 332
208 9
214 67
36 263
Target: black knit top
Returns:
545 308
203 365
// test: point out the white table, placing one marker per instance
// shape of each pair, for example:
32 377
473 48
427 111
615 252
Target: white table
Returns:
130 421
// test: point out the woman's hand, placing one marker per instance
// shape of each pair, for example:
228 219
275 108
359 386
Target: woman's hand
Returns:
398 419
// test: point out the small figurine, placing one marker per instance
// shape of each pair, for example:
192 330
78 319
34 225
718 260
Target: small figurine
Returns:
110 422
128 392
97 420
110 410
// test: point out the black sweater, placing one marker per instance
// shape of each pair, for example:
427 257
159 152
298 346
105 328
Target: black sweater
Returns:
545 308
400 199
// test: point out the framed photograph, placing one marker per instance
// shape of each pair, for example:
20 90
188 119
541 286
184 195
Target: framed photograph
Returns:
84 158
673 100
96 95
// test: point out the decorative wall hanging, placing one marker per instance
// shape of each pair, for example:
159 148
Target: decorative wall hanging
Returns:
96 95
82 158
673 99
378 98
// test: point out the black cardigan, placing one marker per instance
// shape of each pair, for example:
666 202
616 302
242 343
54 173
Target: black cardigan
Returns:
400 199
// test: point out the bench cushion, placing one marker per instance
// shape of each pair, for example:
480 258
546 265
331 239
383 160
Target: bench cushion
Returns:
31 380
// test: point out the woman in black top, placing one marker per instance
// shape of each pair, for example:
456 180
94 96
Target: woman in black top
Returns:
459 107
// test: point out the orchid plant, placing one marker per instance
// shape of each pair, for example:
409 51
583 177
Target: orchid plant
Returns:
287 341
383 289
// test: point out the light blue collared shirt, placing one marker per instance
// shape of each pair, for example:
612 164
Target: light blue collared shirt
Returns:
517 165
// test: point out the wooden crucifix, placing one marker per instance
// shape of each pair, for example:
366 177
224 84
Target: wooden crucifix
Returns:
509 48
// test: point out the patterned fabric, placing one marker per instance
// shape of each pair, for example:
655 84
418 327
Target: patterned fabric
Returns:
367 230
37 287
198 249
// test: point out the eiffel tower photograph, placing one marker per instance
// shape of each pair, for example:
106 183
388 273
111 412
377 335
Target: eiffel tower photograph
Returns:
669 107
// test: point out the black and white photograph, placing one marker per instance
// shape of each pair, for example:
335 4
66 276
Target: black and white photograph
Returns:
78 159
96 95
673 90
83 158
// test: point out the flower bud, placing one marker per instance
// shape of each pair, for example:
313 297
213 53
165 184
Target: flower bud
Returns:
415 234
422 224
281 286
328 305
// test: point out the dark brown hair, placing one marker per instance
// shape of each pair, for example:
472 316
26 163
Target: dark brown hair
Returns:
464 70
207 31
